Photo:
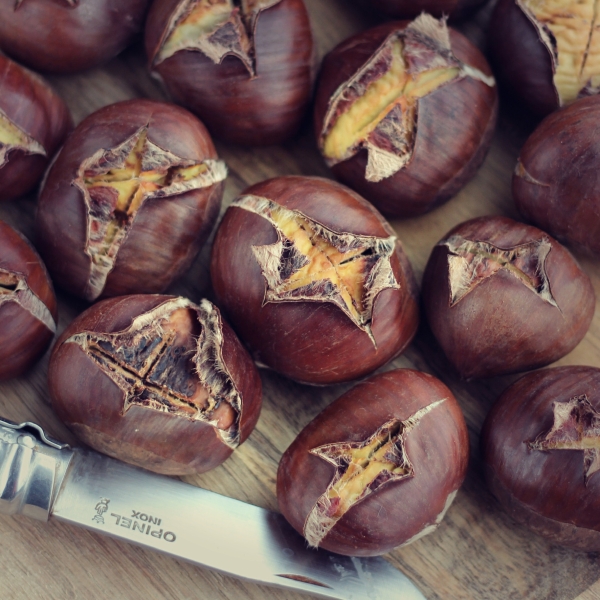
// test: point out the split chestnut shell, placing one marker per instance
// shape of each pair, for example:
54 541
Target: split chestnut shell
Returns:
313 280
503 297
129 201
155 381
541 448
28 310
378 468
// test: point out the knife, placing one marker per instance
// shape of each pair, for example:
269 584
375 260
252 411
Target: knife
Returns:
42 478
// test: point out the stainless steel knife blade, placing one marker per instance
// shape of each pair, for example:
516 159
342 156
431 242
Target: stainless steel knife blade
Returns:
42 478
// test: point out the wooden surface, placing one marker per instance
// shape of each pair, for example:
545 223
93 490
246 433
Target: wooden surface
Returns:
476 553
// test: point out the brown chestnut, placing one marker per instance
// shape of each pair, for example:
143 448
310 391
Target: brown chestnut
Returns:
405 114
546 51
28 310
313 280
378 468
541 447
64 36
155 381
409 9
130 200
555 184
34 122
245 68
503 297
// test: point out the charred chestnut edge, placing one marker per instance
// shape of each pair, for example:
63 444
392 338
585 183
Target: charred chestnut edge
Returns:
211 369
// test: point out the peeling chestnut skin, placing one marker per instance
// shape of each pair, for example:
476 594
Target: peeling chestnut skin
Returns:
555 183
32 107
123 423
66 36
544 490
257 108
454 127
517 301
408 9
161 237
28 309
311 341
398 511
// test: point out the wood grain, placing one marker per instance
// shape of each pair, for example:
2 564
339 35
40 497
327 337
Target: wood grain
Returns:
477 553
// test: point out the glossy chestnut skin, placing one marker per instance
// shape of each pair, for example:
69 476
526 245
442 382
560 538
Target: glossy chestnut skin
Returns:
543 490
311 341
398 511
521 61
502 326
24 336
65 36
32 106
166 234
408 9
90 403
256 110
555 184
454 130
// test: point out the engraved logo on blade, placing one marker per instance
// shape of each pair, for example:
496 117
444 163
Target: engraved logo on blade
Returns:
100 509
144 524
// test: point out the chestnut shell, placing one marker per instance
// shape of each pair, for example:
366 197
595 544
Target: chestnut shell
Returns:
311 342
52 36
543 490
455 125
166 234
520 59
91 404
33 106
409 9
502 326
23 337
555 184
437 447
258 110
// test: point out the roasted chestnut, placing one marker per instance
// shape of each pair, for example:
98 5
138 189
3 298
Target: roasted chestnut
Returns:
34 122
64 36
245 68
28 311
546 50
409 9
503 297
405 114
155 381
555 184
378 468
541 447
129 201
313 280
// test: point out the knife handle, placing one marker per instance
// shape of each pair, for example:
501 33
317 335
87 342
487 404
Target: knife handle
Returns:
32 468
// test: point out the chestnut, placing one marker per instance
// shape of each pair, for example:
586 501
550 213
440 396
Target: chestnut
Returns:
545 51
313 280
34 122
541 449
65 36
129 201
155 381
245 68
555 184
378 468
409 9
28 310
405 113
503 297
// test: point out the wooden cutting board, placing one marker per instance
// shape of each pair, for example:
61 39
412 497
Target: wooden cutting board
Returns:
477 553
